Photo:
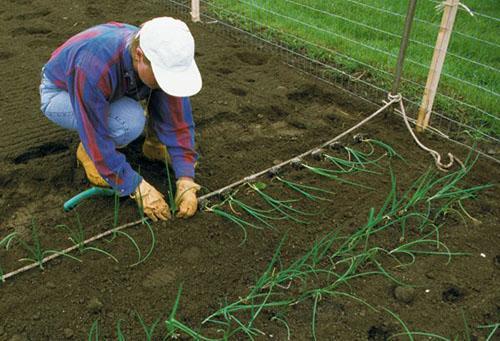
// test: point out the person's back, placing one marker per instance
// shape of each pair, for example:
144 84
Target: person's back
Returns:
100 46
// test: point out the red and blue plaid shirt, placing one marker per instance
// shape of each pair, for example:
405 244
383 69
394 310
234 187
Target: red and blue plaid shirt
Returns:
95 68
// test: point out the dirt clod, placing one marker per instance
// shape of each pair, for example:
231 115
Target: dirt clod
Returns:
68 333
404 294
94 306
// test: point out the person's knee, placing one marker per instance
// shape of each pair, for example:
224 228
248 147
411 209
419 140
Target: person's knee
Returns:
127 120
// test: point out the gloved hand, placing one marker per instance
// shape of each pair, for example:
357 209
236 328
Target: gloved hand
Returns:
151 201
185 197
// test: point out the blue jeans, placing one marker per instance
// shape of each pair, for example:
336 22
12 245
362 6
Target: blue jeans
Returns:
126 119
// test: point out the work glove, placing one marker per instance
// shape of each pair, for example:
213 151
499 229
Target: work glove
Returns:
151 201
185 197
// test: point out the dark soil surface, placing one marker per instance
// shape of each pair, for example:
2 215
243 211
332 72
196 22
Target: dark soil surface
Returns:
253 112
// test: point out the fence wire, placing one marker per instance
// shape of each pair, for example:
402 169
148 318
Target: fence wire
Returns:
353 44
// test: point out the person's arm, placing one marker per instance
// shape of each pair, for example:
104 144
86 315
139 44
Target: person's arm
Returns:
173 124
89 88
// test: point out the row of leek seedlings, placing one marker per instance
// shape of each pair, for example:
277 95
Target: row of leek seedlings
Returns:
37 253
392 211
278 209
264 294
345 262
357 161
285 208
353 261
303 269
441 195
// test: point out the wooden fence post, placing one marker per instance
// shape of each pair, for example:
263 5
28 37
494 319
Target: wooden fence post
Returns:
443 39
195 10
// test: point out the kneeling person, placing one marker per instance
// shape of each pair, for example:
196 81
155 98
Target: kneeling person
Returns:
93 84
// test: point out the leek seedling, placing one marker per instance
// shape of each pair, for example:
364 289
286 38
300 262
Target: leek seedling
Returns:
331 175
388 149
282 320
153 243
116 210
36 252
94 331
77 237
405 327
171 198
144 221
255 212
6 242
494 327
149 331
119 334
282 206
347 166
363 158
303 189
409 333
243 224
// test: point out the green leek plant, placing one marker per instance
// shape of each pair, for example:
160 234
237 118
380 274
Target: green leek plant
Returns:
151 247
144 221
388 149
148 330
283 206
347 166
5 242
119 333
305 190
77 237
241 223
331 174
261 215
173 325
409 333
494 327
171 199
94 331
35 250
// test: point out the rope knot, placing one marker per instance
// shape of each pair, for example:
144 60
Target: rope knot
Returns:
394 98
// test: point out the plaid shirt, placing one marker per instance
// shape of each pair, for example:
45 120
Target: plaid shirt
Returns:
95 68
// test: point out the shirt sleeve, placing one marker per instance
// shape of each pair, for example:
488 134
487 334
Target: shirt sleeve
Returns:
173 123
89 88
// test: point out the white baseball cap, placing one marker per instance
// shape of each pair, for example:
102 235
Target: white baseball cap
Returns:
169 46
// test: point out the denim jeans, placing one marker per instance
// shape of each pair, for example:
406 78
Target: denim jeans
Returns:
126 118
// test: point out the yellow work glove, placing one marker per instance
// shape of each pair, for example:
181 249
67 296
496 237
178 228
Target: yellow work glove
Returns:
185 197
151 201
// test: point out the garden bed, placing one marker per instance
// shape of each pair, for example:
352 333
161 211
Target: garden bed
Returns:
253 112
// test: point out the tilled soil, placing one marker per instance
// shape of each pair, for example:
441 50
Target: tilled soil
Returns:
253 112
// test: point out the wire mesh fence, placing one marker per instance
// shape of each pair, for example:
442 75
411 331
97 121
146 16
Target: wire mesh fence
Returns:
354 44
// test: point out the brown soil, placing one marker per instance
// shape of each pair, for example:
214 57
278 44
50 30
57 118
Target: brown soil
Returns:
253 112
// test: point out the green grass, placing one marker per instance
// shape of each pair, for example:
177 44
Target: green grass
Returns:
362 39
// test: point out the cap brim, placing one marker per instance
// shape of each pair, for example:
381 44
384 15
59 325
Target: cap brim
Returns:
179 84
